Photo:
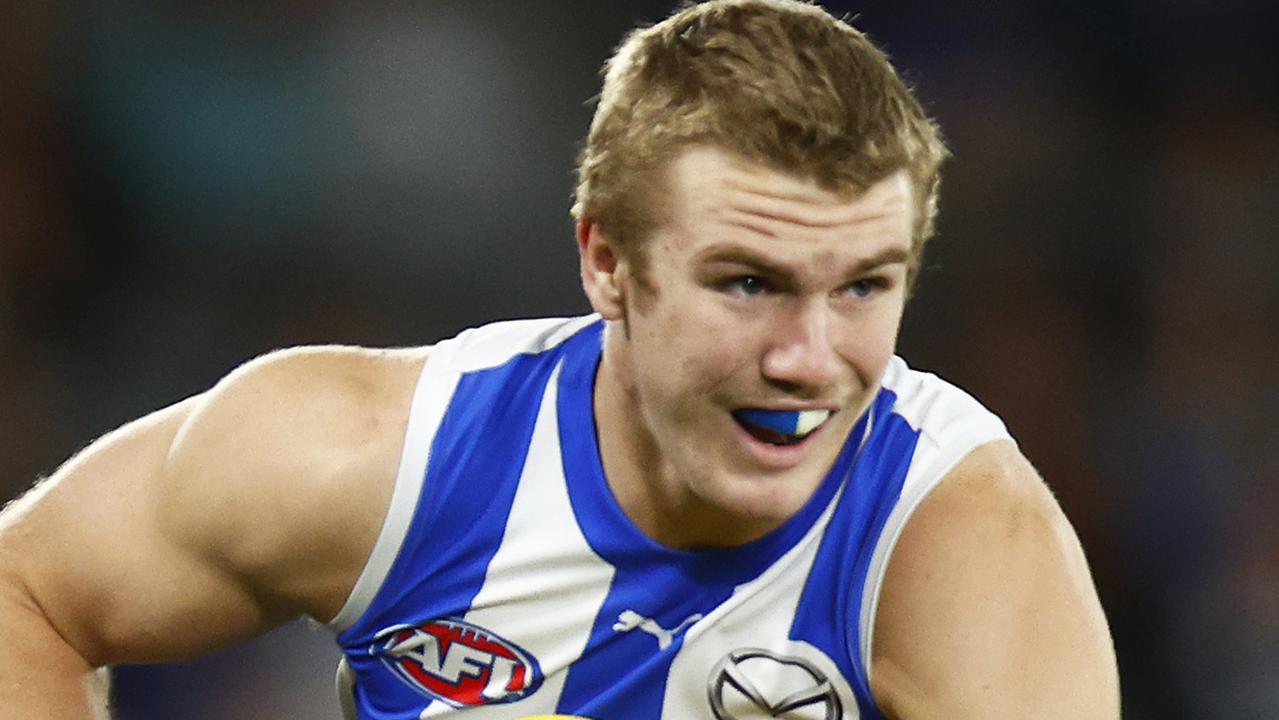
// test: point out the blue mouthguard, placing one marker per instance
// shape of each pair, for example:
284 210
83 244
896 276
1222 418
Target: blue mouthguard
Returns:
782 421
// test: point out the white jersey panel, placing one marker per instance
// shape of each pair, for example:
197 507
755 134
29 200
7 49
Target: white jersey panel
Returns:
758 616
472 349
504 546
951 424
544 586
491 345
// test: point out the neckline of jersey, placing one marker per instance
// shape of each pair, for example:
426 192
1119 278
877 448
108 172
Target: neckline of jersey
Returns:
610 531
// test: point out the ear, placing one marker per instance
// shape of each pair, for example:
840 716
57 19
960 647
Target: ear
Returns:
604 271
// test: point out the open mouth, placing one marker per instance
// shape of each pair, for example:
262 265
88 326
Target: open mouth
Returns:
780 427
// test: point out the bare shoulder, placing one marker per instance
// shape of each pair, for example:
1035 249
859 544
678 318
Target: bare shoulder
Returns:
300 447
216 518
306 405
988 608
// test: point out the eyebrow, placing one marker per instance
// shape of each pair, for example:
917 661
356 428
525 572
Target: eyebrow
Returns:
736 253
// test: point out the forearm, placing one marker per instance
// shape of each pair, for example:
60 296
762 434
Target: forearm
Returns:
41 676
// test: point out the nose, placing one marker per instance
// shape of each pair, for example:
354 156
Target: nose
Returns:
801 355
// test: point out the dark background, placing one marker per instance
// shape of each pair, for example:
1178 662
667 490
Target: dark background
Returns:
186 184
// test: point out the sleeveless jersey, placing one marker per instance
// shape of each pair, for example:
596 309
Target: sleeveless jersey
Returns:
507 582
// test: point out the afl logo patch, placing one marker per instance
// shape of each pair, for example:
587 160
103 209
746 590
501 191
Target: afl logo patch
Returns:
457 663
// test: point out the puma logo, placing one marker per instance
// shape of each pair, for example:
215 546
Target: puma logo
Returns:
629 620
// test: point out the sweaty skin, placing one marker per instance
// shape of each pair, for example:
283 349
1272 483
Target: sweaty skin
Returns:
770 292
762 291
988 609
224 515
200 525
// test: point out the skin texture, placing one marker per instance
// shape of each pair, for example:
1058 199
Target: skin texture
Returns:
231 512
203 524
988 609
761 290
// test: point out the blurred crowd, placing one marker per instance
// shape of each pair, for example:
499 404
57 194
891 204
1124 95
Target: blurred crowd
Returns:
185 184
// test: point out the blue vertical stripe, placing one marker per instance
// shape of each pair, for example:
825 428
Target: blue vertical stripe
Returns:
623 675
828 615
476 460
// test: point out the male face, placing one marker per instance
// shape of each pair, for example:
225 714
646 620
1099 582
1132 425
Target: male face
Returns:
761 292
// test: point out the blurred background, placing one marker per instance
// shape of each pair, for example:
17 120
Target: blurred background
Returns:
185 184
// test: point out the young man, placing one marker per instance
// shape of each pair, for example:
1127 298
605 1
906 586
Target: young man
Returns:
720 497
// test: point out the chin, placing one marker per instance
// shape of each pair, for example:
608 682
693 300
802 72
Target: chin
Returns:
772 499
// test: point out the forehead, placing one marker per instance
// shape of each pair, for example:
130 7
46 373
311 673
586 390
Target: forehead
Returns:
710 187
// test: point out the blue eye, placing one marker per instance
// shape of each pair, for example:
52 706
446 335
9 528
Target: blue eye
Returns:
747 285
867 286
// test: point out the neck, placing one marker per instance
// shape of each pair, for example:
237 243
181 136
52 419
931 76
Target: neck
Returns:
641 480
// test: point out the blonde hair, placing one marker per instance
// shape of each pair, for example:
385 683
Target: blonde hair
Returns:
779 82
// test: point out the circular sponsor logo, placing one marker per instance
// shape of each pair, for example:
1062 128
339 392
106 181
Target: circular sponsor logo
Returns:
751 683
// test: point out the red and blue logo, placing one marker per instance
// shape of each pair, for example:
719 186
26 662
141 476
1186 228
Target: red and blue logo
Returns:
458 663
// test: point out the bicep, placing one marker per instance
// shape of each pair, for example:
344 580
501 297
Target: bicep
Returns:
222 516
988 608
99 550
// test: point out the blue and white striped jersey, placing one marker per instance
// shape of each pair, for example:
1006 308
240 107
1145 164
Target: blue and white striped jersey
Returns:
507 582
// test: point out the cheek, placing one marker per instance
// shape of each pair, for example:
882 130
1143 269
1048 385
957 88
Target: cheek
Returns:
690 352
697 360
869 345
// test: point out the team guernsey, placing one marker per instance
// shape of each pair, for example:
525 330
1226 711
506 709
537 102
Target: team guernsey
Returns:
507 582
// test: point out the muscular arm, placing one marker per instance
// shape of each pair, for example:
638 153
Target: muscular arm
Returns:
988 609
202 524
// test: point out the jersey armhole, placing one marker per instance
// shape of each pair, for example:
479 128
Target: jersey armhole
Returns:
940 457
446 363
431 398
